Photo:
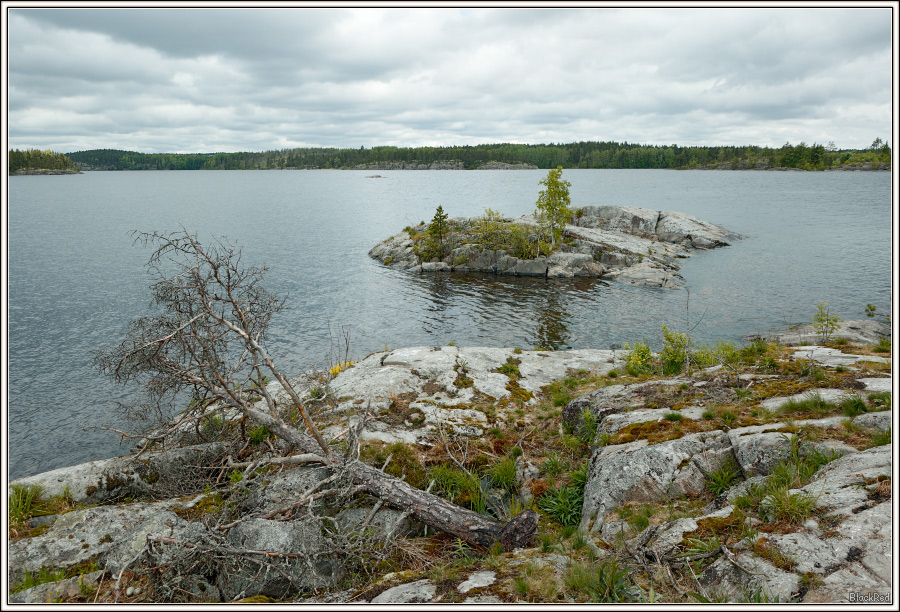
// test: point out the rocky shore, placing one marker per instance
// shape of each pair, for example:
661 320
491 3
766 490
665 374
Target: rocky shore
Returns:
452 164
631 245
43 172
758 473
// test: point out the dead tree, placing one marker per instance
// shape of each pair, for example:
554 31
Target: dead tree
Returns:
209 341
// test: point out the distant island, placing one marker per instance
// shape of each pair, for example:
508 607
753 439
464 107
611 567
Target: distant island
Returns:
35 161
591 154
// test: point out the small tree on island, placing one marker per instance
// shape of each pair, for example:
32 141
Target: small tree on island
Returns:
438 227
553 204
434 246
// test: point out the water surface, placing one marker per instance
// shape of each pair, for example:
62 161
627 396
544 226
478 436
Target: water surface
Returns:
76 280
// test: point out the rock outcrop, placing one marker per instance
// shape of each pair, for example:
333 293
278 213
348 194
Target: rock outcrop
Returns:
657 443
632 245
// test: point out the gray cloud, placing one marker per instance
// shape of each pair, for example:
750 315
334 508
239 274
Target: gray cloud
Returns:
180 79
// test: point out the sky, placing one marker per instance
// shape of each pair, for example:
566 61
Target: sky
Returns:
181 79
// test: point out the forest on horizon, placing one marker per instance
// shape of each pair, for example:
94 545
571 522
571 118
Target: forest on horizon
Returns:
590 154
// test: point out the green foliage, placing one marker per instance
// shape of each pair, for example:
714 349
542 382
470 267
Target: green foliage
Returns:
458 486
825 322
772 498
588 424
853 405
673 416
492 232
439 226
510 369
720 480
605 582
881 438
503 474
39 160
637 361
673 357
22 502
258 434
42 576
883 345
435 246
812 403
563 505
880 401
554 465
553 204
582 154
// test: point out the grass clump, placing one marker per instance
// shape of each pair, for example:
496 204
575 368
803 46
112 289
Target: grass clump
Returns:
880 438
42 576
563 504
605 582
772 499
853 405
503 474
812 404
883 345
720 480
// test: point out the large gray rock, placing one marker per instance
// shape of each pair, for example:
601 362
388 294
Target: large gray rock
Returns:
613 399
638 472
419 591
874 420
312 566
839 486
749 576
284 488
109 535
125 476
49 592
864 331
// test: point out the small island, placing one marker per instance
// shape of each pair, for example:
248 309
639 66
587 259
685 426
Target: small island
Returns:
638 246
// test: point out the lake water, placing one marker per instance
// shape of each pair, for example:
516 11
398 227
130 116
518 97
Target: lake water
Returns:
76 280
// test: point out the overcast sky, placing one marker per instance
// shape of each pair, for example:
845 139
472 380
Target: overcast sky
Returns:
248 79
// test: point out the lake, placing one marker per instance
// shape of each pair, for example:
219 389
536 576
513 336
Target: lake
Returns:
76 279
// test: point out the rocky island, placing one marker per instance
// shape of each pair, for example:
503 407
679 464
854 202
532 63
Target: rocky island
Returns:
759 473
634 245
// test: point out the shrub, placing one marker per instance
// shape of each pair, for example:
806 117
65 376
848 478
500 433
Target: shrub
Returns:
674 352
637 361
825 322
587 430
673 416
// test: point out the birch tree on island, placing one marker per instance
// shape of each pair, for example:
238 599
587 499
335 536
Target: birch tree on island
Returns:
209 341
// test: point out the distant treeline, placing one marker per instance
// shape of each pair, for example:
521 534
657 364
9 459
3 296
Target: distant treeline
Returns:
39 160
572 155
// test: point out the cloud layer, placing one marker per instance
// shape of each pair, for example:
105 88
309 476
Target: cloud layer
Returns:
246 79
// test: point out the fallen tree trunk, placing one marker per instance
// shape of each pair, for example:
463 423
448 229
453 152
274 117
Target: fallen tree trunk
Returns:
210 340
430 509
